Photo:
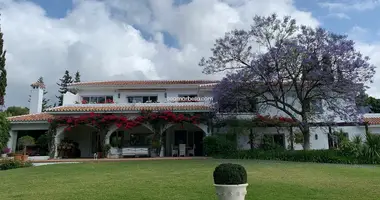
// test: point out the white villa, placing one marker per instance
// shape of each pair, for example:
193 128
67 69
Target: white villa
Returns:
129 98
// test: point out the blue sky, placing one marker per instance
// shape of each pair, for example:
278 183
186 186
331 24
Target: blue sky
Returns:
342 20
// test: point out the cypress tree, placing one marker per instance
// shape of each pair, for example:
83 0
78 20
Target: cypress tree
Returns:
3 72
77 77
64 81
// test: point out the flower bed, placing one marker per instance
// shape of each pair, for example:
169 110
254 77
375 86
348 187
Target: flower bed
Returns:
6 164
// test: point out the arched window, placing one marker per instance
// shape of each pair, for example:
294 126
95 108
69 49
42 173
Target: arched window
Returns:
316 136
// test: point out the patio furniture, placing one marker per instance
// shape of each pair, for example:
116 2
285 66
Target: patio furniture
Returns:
182 150
174 151
135 151
191 151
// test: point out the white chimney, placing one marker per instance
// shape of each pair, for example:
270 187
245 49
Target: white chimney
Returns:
36 98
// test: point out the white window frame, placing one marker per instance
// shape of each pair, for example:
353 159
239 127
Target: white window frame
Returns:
97 98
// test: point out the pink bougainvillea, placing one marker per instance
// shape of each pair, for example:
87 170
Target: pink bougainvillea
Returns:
103 121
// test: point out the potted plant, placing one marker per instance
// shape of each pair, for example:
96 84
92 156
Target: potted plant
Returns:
18 155
11 155
5 151
230 181
106 150
25 141
155 146
116 145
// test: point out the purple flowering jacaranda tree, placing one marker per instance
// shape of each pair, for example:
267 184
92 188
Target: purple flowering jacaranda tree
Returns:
306 73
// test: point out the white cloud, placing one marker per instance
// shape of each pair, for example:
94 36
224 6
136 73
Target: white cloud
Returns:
370 49
98 38
373 51
351 5
358 33
338 15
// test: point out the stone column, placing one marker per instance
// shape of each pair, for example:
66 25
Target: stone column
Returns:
112 129
205 129
12 142
57 140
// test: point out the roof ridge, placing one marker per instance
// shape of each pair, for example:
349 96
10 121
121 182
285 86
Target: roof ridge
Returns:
27 115
196 81
53 108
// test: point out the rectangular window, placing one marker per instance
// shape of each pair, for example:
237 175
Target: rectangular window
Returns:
109 99
130 99
154 99
315 106
86 99
93 100
142 99
97 99
101 100
137 100
271 141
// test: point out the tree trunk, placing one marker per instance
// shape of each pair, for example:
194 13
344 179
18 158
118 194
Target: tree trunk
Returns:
306 137
251 138
161 139
291 138
305 129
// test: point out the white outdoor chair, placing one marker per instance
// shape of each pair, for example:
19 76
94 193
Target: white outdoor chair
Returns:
182 150
174 151
191 151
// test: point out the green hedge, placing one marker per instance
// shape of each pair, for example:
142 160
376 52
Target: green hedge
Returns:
318 156
218 145
350 152
6 164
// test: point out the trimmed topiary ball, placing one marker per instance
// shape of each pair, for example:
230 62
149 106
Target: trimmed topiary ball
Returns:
230 174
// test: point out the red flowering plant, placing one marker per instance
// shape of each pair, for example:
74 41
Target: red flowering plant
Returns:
102 122
109 101
273 121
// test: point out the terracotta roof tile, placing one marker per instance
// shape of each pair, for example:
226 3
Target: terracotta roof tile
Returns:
208 85
113 108
31 117
142 82
372 120
37 84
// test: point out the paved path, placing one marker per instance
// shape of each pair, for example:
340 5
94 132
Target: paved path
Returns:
114 159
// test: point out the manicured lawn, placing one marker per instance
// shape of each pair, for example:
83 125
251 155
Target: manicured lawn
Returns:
188 179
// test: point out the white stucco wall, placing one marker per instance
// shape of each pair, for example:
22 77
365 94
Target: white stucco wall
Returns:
36 98
160 93
29 126
70 98
352 130
291 99
319 142
99 92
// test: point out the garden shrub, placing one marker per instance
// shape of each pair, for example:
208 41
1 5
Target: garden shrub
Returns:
218 145
230 174
353 151
318 156
4 130
7 164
